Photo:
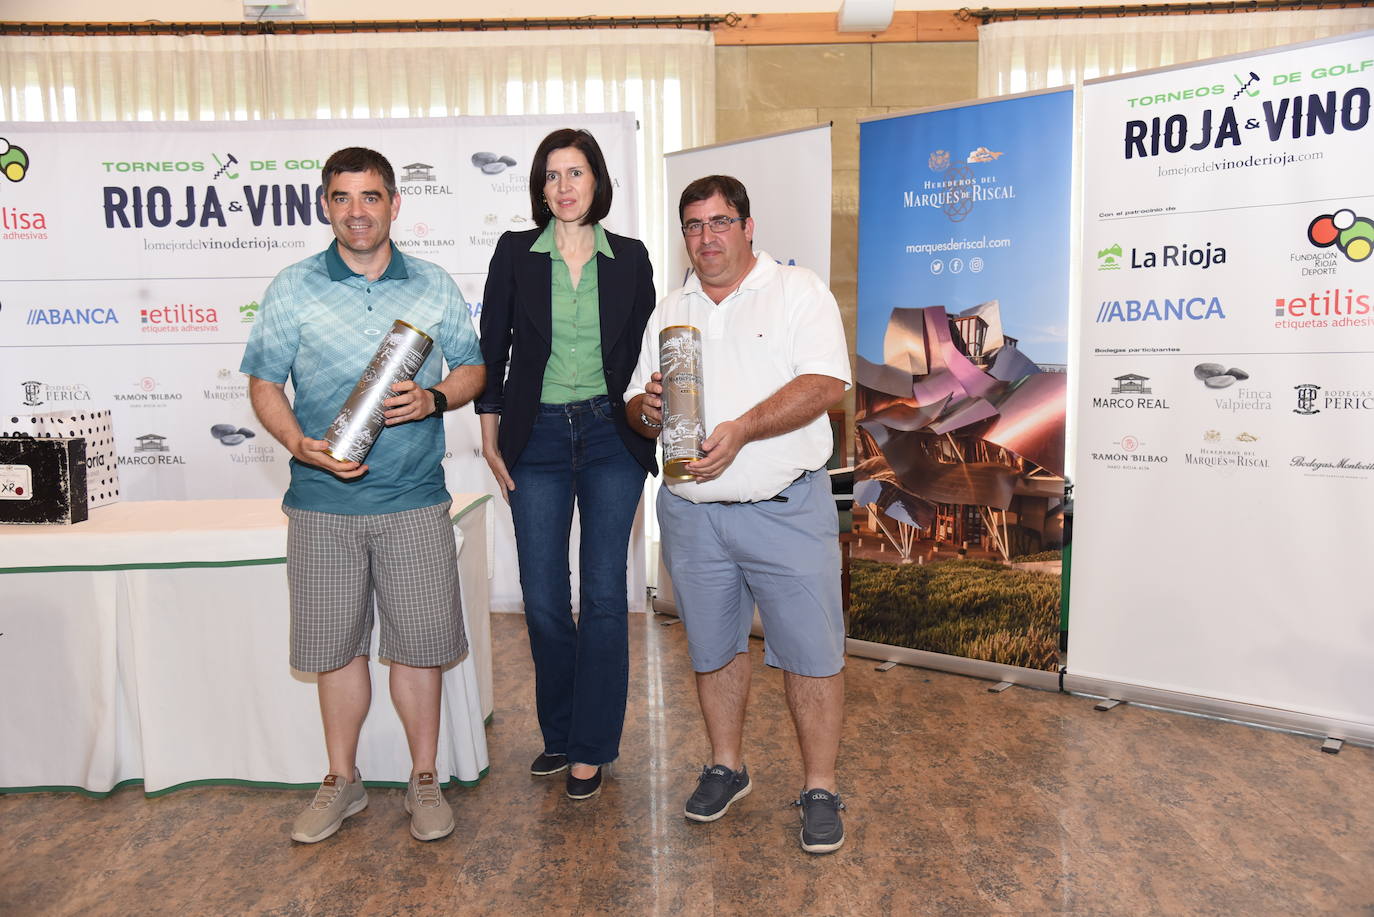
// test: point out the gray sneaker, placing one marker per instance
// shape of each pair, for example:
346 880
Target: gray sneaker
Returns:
430 815
822 827
335 800
717 787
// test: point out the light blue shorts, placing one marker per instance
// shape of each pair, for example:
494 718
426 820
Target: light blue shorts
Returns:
783 556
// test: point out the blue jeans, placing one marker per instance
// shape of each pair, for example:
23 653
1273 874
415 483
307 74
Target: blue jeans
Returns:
582 670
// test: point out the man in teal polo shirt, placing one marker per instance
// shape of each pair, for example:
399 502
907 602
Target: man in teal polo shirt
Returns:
381 529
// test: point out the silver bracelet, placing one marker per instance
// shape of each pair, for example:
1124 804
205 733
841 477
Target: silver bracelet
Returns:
644 419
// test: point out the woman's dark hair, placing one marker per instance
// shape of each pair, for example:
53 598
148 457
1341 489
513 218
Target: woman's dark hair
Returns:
727 186
359 159
579 140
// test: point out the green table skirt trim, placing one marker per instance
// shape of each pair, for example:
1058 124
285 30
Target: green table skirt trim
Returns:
189 564
255 784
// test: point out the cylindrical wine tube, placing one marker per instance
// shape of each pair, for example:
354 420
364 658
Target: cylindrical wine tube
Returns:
398 358
684 404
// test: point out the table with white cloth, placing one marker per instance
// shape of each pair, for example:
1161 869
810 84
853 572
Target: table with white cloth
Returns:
151 643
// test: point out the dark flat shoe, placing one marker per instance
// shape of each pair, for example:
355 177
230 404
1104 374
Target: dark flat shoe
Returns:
584 787
547 764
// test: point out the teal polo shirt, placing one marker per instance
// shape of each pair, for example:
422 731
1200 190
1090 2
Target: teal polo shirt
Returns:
319 326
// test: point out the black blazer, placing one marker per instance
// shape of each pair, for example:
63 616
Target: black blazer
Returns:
517 329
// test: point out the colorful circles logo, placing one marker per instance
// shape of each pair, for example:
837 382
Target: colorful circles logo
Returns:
1353 235
14 162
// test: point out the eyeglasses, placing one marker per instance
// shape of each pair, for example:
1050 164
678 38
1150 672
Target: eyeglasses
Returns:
717 224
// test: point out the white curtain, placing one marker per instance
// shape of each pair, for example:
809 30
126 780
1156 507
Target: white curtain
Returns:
1022 56
666 77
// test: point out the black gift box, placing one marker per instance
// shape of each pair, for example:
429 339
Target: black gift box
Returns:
42 481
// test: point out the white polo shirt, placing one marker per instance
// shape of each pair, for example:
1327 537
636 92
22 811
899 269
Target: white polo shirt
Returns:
779 324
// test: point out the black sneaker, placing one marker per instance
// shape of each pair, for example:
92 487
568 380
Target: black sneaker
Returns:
717 787
822 828
547 764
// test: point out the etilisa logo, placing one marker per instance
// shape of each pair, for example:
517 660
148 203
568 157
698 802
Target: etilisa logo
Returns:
180 317
1307 399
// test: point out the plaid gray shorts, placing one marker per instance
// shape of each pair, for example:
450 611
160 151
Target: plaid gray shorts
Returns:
336 563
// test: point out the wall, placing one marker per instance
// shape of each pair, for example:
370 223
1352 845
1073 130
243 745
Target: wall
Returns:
763 89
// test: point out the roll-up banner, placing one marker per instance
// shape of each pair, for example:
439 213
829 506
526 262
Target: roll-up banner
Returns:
960 404
1225 462
133 259
788 179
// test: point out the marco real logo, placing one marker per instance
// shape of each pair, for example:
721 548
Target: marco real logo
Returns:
1131 392
152 449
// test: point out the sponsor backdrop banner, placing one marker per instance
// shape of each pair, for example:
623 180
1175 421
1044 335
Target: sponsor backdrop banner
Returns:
793 227
1225 462
962 341
133 258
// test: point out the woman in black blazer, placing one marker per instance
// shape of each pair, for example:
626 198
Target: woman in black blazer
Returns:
562 317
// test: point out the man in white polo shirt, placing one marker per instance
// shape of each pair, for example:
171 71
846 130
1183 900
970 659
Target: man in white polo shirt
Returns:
757 524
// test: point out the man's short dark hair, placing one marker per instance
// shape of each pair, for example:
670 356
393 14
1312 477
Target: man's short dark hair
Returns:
359 159
727 186
562 139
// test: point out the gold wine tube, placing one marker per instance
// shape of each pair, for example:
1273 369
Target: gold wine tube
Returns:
684 405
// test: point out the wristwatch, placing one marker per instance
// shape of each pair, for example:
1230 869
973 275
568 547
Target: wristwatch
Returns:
644 419
440 402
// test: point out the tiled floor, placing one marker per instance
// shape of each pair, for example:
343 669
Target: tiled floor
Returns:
960 802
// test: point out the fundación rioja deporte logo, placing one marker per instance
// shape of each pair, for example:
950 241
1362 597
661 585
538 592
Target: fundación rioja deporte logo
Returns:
1352 235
